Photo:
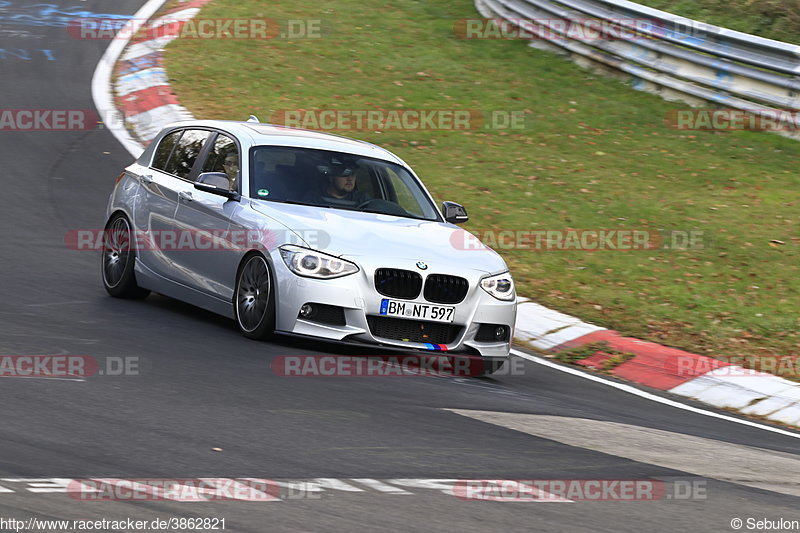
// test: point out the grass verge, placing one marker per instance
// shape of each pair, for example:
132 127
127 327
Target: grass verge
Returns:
593 154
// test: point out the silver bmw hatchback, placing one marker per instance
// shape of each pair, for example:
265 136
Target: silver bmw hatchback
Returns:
298 232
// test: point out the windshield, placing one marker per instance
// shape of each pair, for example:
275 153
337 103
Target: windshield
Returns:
338 181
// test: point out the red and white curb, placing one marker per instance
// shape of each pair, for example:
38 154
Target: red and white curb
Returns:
143 96
142 88
686 374
140 101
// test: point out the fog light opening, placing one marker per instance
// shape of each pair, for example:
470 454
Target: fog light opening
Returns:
500 333
306 310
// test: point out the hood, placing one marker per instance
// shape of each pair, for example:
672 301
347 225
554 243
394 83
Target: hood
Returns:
384 239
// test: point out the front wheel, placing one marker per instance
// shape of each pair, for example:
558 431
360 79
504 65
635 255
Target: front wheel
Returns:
254 302
118 260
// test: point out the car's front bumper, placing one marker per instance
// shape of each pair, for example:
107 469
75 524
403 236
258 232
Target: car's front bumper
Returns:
358 300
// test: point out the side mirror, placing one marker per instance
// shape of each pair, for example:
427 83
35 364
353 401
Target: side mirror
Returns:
454 213
216 183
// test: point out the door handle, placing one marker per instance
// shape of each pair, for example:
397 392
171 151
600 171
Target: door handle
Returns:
185 195
147 178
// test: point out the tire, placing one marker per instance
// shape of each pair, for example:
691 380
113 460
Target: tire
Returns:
254 298
118 260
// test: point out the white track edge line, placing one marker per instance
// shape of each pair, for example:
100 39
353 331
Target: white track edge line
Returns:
648 396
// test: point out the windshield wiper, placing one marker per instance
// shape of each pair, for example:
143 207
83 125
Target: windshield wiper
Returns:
295 202
407 215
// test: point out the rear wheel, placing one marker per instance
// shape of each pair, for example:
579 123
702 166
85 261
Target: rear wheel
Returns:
118 260
254 302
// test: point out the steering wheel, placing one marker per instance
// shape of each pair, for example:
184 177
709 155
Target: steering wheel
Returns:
384 207
362 205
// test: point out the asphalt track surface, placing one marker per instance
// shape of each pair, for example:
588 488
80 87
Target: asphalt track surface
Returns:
204 386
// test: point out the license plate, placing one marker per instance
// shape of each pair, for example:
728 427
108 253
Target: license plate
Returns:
434 313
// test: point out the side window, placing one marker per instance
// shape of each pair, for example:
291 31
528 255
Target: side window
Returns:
186 152
224 157
165 149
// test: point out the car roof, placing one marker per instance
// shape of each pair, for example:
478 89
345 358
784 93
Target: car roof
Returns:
272 134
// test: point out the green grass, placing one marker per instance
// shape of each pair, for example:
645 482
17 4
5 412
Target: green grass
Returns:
594 154
774 19
579 353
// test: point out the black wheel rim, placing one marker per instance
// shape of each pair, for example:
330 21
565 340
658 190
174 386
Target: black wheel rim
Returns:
252 295
116 251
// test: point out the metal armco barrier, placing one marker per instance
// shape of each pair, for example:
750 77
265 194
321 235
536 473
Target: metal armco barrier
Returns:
679 58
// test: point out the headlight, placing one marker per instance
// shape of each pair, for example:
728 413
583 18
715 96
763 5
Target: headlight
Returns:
313 264
500 286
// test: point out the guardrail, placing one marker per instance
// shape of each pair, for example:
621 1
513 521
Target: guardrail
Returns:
676 57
